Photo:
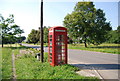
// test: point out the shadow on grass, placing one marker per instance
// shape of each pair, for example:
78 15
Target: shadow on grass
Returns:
106 47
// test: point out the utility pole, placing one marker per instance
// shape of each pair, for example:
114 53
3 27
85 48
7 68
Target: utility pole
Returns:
41 29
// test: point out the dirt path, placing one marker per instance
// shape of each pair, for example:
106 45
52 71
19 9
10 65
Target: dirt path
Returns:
13 67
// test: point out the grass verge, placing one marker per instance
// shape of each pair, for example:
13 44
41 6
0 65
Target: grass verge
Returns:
6 63
28 67
6 60
105 48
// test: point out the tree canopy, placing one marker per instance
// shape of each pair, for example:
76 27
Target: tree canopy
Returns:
10 31
114 36
87 24
34 36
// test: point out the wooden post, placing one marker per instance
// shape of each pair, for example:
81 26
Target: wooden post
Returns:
42 51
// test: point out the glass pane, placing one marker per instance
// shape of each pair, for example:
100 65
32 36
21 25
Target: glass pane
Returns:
63 54
63 50
50 40
50 36
51 47
50 50
51 43
63 58
63 47
59 43
59 58
50 53
50 61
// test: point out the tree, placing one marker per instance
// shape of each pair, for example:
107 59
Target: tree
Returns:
9 29
34 36
114 36
87 24
20 39
118 29
46 34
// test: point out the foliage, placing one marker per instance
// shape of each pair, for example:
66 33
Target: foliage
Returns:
114 36
21 38
87 24
46 34
34 36
9 30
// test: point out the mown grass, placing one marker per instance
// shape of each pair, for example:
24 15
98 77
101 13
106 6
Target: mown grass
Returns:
6 63
106 48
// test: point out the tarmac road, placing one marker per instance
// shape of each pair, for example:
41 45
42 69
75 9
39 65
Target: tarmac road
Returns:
105 63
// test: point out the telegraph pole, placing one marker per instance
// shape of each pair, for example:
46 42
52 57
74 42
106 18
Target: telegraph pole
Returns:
41 29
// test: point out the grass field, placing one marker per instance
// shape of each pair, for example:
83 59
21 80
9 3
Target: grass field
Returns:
106 48
28 67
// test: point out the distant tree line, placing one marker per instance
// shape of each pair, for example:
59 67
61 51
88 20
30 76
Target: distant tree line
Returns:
10 32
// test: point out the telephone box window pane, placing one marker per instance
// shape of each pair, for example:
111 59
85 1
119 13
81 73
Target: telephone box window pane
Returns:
59 51
50 51
59 47
50 43
51 54
63 50
63 43
59 58
50 61
62 39
59 43
63 47
50 36
51 47
63 58
63 54
50 40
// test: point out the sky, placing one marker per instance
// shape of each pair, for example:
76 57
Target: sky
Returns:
27 12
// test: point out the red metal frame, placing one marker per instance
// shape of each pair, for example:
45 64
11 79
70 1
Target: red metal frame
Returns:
57 45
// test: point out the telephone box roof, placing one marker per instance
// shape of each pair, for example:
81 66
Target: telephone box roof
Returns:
57 27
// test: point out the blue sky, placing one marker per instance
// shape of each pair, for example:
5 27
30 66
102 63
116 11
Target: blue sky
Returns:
27 12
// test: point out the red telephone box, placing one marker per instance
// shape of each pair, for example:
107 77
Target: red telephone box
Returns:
57 45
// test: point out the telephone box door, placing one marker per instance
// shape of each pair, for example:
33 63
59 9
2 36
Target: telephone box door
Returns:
61 49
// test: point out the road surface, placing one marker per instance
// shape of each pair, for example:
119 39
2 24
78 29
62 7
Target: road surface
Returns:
105 63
